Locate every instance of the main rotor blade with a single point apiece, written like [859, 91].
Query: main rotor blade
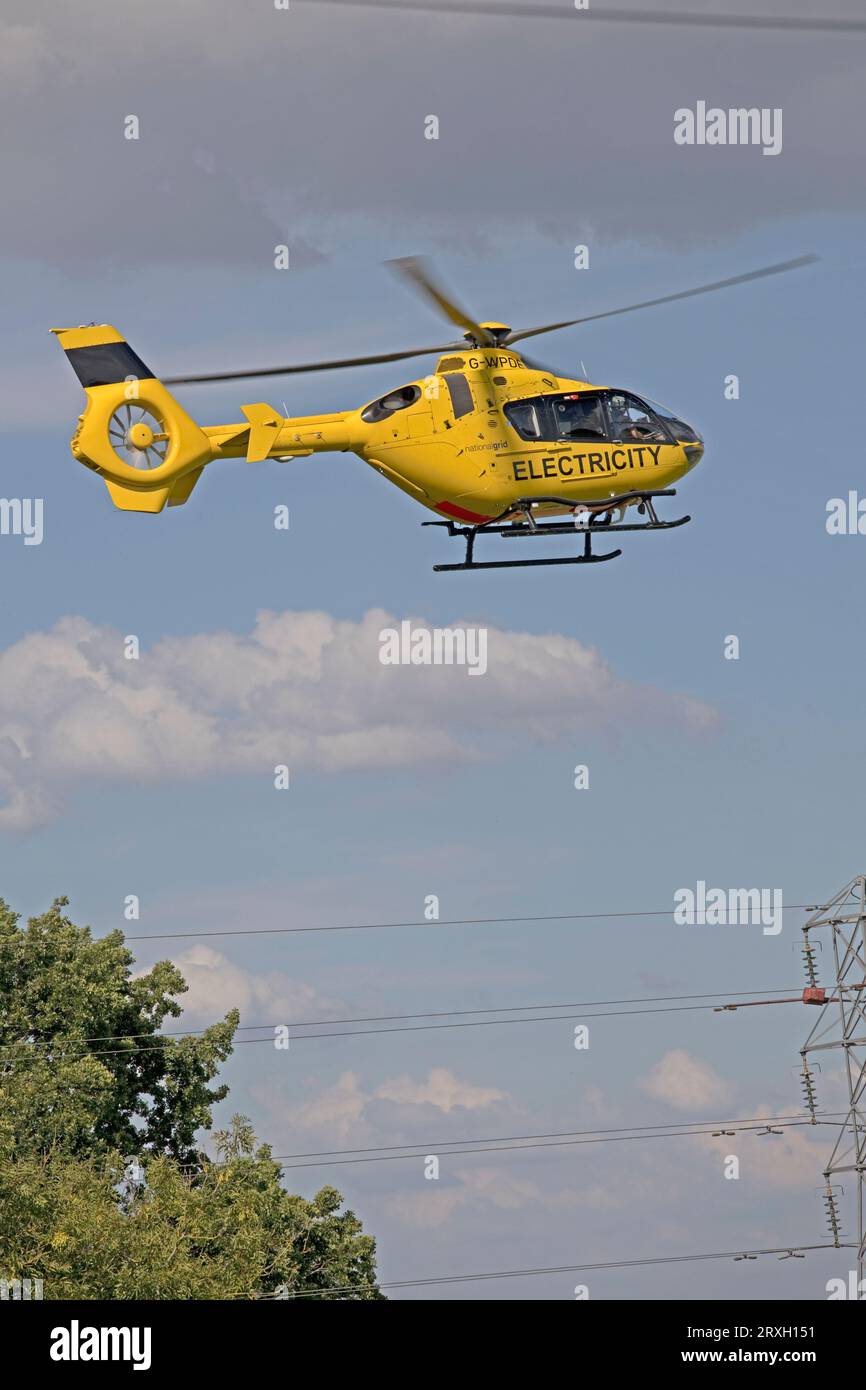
[418, 274]
[503, 9]
[535, 366]
[333, 365]
[412, 269]
[766, 270]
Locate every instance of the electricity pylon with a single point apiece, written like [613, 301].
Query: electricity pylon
[841, 1028]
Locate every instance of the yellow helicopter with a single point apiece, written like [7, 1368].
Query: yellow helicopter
[492, 442]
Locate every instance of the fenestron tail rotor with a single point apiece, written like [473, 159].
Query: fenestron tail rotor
[138, 437]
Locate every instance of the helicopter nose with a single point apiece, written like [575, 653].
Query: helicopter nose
[694, 452]
[692, 443]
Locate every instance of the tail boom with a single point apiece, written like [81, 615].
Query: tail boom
[149, 452]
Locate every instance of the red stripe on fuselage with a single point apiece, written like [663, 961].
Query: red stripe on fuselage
[460, 513]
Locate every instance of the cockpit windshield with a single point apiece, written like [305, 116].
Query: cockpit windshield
[632, 419]
[614, 416]
[687, 434]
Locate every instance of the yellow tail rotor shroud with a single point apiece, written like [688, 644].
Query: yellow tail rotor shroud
[113, 377]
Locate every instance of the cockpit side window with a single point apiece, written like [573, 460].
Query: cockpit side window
[578, 417]
[525, 416]
[386, 405]
[574, 415]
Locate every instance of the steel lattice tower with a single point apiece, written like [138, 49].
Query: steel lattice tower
[841, 1028]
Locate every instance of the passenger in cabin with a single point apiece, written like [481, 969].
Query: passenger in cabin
[579, 418]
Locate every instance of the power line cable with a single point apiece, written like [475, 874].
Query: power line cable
[686, 1126]
[427, 925]
[652, 1133]
[387, 1018]
[783, 1251]
[371, 1032]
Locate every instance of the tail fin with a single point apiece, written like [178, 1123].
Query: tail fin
[133, 433]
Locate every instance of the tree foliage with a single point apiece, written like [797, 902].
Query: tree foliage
[87, 1081]
[84, 1068]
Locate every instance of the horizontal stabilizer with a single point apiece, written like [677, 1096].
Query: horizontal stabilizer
[265, 426]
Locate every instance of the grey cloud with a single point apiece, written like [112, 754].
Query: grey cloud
[259, 124]
[302, 688]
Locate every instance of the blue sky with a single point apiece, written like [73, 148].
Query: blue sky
[741, 773]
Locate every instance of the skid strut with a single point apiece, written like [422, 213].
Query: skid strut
[596, 519]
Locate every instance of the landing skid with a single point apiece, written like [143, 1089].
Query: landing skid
[597, 519]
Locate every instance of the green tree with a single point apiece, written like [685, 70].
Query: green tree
[227, 1230]
[86, 1081]
[83, 1068]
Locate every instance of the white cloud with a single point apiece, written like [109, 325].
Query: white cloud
[791, 1161]
[476, 1187]
[685, 1083]
[441, 1089]
[428, 1209]
[302, 688]
[337, 1109]
[345, 1104]
[217, 984]
[21, 51]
